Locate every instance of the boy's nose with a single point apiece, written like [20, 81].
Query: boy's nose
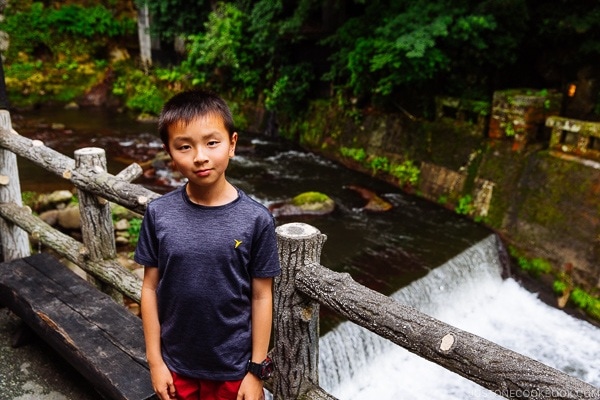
[200, 157]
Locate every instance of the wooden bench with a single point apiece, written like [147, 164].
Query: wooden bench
[98, 337]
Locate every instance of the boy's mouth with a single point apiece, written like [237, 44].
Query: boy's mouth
[202, 172]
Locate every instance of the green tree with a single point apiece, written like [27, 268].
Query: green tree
[172, 18]
[400, 46]
[246, 48]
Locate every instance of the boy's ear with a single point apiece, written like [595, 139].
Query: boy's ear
[232, 143]
[165, 148]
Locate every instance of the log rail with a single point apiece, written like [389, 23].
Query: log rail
[303, 286]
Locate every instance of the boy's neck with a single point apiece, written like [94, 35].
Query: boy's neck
[212, 196]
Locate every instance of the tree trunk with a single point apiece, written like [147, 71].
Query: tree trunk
[145, 40]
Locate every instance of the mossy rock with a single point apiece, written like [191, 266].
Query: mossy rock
[307, 203]
[312, 200]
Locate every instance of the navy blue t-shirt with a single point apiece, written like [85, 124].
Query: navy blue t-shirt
[207, 257]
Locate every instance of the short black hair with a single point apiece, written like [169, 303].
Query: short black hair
[184, 107]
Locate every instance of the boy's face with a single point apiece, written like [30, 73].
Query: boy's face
[201, 150]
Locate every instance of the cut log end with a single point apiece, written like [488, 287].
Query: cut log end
[297, 230]
[447, 343]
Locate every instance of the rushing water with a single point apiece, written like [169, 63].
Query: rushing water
[417, 252]
[467, 292]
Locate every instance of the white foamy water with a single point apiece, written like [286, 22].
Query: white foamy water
[469, 293]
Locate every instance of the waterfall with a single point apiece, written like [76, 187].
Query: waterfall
[468, 292]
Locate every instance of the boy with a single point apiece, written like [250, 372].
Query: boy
[209, 254]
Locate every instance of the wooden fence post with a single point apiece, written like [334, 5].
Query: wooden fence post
[15, 242]
[97, 228]
[296, 317]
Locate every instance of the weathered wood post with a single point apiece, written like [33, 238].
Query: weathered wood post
[96, 220]
[296, 317]
[15, 243]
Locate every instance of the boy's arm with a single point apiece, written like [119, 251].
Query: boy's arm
[262, 319]
[162, 381]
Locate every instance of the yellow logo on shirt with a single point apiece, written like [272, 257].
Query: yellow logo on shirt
[237, 243]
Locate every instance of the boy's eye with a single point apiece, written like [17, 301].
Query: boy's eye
[184, 147]
[213, 143]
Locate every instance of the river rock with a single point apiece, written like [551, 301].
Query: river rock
[45, 201]
[50, 217]
[308, 203]
[374, 202]
[69, 217]
[122, 225]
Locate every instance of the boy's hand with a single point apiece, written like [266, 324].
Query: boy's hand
[162, 382]
[251, 388]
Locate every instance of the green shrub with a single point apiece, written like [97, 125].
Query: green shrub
[141, 92]
[379, 164]
[356, 154]
[407, 172]
[465, 205]
[134, 230]
[559, 286]
[535, 266]
[69, 30]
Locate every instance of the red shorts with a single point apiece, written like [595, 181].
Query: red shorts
[196, 389]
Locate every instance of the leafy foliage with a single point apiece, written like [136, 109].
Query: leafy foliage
[360, 54]
[217, 56]
[133, 231]
[402, 44]
[465, 205]
[140, 92]
[171, 18]
[406, 172]
[357, 154]
[70, 30]
[534, 266]
[58, 52]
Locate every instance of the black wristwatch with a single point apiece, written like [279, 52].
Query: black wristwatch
[263, 371]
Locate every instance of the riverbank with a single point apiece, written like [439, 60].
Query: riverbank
[543, 203]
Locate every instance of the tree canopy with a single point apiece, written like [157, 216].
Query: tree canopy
[378, 53]
[381, 50]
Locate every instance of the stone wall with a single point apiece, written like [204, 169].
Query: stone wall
[544, 205]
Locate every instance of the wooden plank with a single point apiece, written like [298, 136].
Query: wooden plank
[99, 337]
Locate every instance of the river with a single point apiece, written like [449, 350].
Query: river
[392, 252]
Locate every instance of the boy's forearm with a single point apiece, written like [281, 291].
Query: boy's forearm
[151, 327]
[261, 329]
[262, 318]
[150, 321]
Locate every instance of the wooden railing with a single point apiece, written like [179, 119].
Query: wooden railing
[303, 286]
[96, 188]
